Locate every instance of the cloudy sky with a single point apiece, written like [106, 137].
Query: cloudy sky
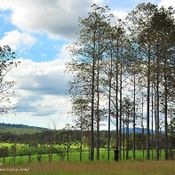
[39, 32]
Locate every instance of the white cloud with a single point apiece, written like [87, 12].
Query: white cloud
[41, 92]
[167, 3]
[57, 18]
[18, 40]
[119, 14]
[41, 77]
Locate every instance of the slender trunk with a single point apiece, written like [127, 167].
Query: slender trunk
[166, 114]
[148, 108]
[155, 116]
[116, 100]
[123, 138]
[81, 144]
[109, 107]
[157, 109]
[67, 153]
[29, 160]
[127, 139]
[89, 133]
[109, 120]
[143, 145]
[171, 144]
[152, 122]
[116, 103]
[92, 103]
[98, 114]
[4, 160]
[134, 117]
[120, 117]
[160, 145]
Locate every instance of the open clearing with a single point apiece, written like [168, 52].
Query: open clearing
[93, 168]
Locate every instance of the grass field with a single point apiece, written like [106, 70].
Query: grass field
[21, 165]
[93, 168]
[73, 157]
[22, 152]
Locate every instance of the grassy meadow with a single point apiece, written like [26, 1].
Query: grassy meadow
[74, 167]
[24, 163]
[73, 156]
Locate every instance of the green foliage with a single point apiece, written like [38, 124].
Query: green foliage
[4, 151]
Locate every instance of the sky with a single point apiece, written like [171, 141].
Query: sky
[39, 31]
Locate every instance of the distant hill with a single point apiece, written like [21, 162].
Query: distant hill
[137, 130]
[25, 129]
[20, 129]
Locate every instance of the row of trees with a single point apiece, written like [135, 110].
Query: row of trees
[38, 152]
[124, 71]
[64, 142]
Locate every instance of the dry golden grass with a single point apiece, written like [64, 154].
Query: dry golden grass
[98, 168]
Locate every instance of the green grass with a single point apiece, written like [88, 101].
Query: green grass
[22, 149]
[94, 168]
[19, 145]
[73, 157]
[75, 167]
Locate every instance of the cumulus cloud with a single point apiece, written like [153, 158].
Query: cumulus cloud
[18, 40]
[167, 3]
[40, 90]
[119, 14]
[42, 77]
[57, 18]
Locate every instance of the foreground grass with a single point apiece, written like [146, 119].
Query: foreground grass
[94, 168]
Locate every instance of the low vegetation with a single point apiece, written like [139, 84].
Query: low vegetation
[95, 168]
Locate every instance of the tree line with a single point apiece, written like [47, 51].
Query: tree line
[123, 77]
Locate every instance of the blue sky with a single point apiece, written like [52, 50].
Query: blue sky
[39, 32]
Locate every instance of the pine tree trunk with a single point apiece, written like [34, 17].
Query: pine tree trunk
[123, 139]
[109, 107]
[134, 116]
[143, 140]
[157, 109]
[127, 139]
[109, 120]
[152, 122]
[116, 99]
[166, 115]
[148, 109]
[98, 114]
[81, 144]
[92, 103]
[116, 103]
[120, 116]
